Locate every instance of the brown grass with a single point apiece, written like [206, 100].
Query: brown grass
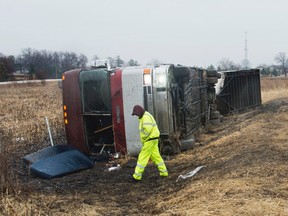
[272, 83]
[246, 169]
[23, 127]
[273, 88]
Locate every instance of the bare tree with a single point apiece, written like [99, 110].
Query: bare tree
[119, 61]
[210, 67]
[226, 64]
[45, 64]
[282, 59]
[133, 62]
[7, 67]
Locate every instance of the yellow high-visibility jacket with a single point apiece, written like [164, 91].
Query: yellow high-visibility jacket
[148, 128]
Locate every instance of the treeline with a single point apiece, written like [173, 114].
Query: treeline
[45, 64]
[40, 64]
[6, 67]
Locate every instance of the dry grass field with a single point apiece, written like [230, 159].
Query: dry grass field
[245, 161]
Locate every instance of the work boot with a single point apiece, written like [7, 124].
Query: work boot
[133, 180]
[164, 174]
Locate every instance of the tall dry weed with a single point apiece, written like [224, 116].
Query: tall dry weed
[24, 130]
[272, 83]
[8, 173]
[273, 88]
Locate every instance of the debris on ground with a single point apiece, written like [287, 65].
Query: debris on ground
[189, 174]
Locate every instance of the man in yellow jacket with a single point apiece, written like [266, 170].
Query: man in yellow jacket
[149, 135]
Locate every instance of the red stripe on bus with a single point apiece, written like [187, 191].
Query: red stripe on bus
[118, 112]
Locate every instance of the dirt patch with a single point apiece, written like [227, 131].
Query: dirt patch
[245, 173]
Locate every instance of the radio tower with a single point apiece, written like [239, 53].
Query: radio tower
[246, 52]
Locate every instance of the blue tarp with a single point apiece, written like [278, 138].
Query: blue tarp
[58, 160]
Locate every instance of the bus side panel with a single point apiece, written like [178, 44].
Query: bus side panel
[118, 112]
[71, 98]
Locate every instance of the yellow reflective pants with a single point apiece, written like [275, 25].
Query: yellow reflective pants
[149, 150]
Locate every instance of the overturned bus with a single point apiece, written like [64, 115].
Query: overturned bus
[98, 103]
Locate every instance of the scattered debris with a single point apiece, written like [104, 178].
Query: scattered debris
[117, 167]
[18, 139]
[189, 174]
[49, 131]
[116, 155]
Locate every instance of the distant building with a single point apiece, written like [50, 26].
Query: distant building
[19, 75]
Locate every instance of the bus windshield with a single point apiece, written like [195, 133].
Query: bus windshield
[95, 91]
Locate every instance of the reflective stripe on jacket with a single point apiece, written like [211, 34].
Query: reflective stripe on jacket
[148, 127]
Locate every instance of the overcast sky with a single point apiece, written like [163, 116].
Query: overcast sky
[188, 32]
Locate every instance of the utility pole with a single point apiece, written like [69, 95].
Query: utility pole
[246, 52]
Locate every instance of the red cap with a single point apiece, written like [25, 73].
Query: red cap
[138, 110]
